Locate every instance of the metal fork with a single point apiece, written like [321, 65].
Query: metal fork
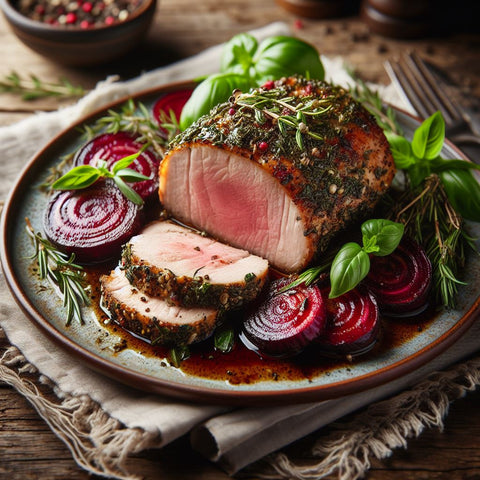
[425, 92]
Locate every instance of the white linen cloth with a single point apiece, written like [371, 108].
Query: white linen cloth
[232, 437]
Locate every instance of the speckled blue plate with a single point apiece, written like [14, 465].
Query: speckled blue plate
[95, 347]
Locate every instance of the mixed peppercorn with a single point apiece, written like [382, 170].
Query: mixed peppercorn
[78, 13]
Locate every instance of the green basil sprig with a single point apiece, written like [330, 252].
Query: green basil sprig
[246, 64]
[352, 263]
[83, 176]
[421, 157]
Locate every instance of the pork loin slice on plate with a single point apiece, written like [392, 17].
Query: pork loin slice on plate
[186, 268]
[278, 183]
[153, 318]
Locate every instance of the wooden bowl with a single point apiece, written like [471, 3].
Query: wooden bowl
[75, 46]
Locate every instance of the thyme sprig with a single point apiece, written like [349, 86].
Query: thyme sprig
[33, 88]
[135, 118]
[61, 271]
[429, 218]
[266, 104]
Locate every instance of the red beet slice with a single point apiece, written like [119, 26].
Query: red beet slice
[111, 147]
[401, 281]
[285, 323]
[92, 223]
[353, 322]
[173, 101]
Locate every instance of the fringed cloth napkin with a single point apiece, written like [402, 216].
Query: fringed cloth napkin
[103, 422]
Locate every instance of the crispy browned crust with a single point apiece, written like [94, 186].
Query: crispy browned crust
[333, 181]
[189, 291]
[154, 329]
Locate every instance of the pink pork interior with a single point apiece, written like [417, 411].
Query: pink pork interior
[235, 200]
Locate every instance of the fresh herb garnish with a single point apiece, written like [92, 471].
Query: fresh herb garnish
[62, 272]
[421, 157]
[351, 263]
[178, 354]
[224, 338]
[33, 88]
[245, 64]
[83, 176]
[135, 118]
[266, 104]
[432, 221]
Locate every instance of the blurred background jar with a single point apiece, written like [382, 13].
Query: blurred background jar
[420, 18]
[321, 8]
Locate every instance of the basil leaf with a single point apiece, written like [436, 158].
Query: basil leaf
[237, 54]
[213, 90]
[401, 150]
[224, 338]
[463, 192]
[77, 178]
[418, 171]
[387, 234]
[349, 268]
[281, 56]
[429, 137]
[439, 164]
[129, 175]
[125, 162]
[127, 191]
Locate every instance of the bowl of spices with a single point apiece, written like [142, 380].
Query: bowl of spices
[79, 32]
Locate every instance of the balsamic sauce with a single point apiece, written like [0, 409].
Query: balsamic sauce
[244, 366]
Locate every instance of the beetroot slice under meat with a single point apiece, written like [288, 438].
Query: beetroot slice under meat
[170, 102]
[401, 281]
[92, 223]
[353, 323]
[285, 323]
[111, 147]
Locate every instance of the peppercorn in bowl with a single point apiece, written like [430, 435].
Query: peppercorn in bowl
[79, 32]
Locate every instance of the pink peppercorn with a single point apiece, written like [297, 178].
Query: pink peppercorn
[263, 146]
[70, 18]
[109, 20]
[84, 24]
[231, 111]
[87, 7]
[268, 85]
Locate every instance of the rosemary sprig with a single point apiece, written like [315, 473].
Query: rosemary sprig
[61, 271]
[136, 119]
[429, 218]
[384, 114]
[297, 121]
[32, 88]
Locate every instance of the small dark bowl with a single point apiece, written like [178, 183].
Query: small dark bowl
[75, 46]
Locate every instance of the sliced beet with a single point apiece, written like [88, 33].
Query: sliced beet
[111, 147]
[285, 322]
[170, 102]
[353, 322]
[92, 223]
[401, 281]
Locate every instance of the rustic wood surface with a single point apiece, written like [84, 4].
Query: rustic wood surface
[28, 449]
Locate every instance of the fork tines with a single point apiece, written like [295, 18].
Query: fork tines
[421, 89]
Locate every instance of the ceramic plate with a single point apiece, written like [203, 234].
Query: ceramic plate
[95, 346]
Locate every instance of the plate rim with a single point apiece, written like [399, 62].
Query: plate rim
[195, 393]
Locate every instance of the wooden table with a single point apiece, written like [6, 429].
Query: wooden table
[181, 28]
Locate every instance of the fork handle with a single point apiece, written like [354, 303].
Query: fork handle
[462, 138]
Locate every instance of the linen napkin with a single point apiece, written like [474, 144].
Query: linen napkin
[102, 421]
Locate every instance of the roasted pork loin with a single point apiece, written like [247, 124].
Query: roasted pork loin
[186, 268]
[261, 176]
[153, 318]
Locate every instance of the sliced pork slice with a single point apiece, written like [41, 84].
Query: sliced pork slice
[279, 191]
[186, 268]
[152, 318]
